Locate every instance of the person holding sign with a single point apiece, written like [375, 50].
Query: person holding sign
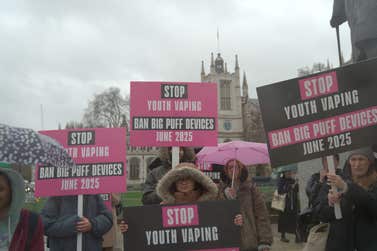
[62, 224]
[20, 229]
[187, 184]
[358, 200]
[150, 196]
[256, 233]
[317, 180]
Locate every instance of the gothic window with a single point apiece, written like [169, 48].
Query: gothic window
[134, 169]
[225, 103]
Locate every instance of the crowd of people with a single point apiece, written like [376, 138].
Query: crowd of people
[355, 191]
[21, 229]
[353, 188]
[186, 184]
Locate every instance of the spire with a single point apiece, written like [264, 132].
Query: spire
[219, 64]
[218, 40]
[237, 66]
[245, 87]
[203, 73]
[212, 63]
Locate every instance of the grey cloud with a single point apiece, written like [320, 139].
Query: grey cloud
[60, 53]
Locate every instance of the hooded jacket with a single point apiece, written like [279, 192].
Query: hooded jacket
[149, 193]
[60, 218]
[15, 228]
[256, 229]
[358, 227]
[165, 188]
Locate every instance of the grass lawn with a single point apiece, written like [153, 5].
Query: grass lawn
[131, 198]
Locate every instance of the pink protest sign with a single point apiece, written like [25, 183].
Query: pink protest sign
[318, 85]
[179, 216]
[173, 114]
[100, 157]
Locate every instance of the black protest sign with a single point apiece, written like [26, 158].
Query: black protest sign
[321, 114]
[201, 226]
[213, 171]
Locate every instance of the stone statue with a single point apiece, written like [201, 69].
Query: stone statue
[362, 20]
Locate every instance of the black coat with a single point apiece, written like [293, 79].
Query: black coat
[317, 191]
[357, 230]
[287, 222]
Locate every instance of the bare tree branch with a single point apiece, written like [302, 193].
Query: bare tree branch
[107, 109]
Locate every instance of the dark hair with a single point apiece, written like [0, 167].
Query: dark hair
[3, 174]
[243, 175]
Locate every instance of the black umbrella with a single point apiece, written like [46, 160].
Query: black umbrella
[26, 146]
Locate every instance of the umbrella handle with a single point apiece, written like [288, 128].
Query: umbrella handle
[234, 168]
[233, 179]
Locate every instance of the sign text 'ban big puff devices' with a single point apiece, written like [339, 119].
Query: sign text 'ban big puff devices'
[100, 157]
[173, 114]
[321, 114]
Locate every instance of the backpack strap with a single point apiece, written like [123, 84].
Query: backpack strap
[32, 226]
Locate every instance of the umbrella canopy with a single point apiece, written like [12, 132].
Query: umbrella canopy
[25, 146]
[249, 153]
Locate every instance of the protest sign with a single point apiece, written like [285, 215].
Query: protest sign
[173, 114]
[321, 114]
[100, 157]
[213, 171]
[183, 227]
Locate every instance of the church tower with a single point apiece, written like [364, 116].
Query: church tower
[229, 100]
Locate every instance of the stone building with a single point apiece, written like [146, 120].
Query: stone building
[138, 159]
[239, 116]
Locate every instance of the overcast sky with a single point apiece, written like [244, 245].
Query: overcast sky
[60, 53]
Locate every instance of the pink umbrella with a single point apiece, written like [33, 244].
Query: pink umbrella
[249, 153]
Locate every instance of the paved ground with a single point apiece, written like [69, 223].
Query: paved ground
[282, 246]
